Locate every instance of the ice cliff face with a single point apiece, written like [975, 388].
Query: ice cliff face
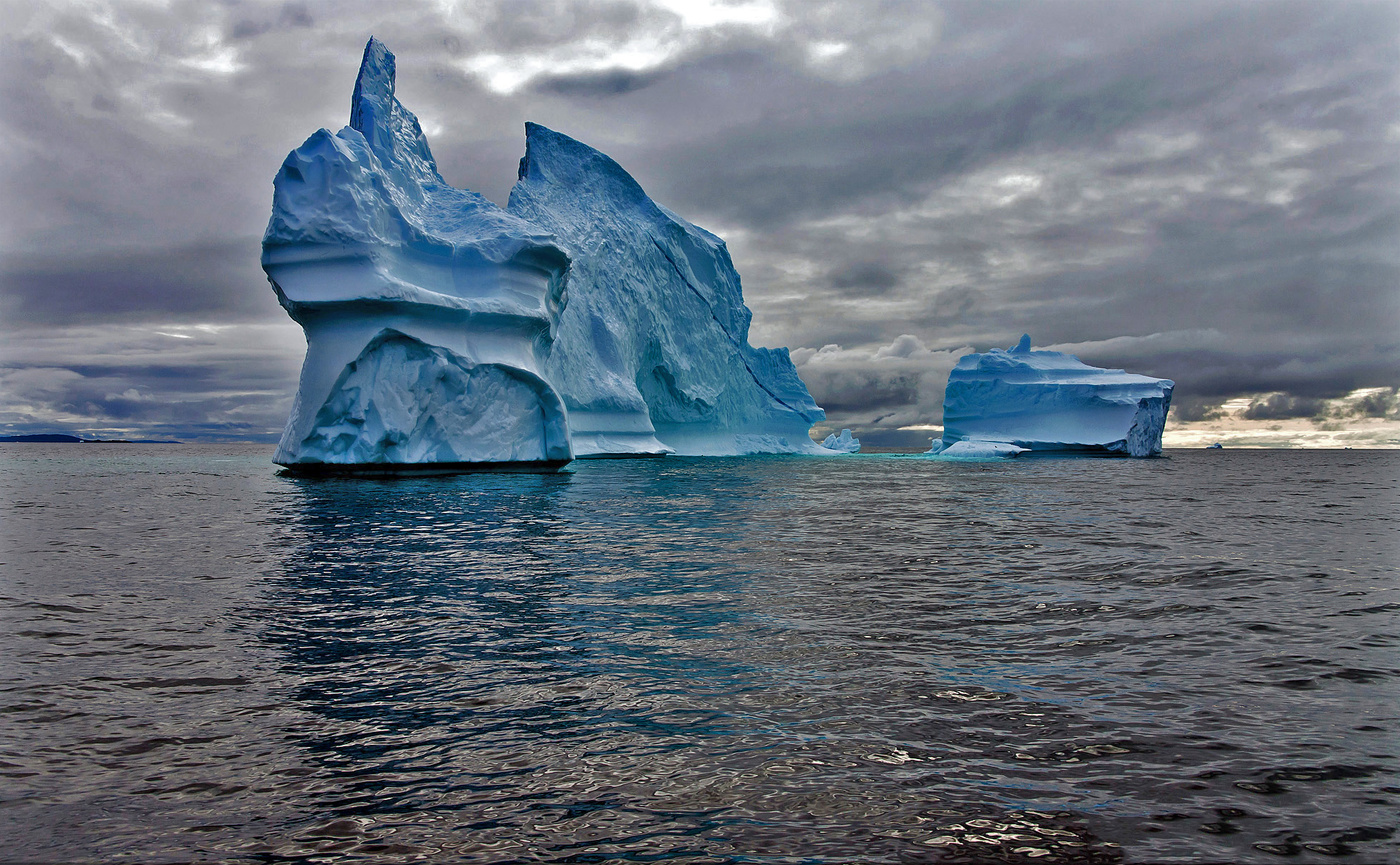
[1049, 401]
[652, 353]
[425, 307]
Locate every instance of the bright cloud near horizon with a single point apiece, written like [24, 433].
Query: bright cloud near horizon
[1203, 191]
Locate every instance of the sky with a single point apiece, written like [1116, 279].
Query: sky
[1201, 191]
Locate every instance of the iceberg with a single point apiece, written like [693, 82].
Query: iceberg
[446, 332]
[1040, 401]
[843, 443]
[651, 352]
[426, 308]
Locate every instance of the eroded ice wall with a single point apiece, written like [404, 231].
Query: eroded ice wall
[652, 351]
[1050, 401]
[425, 307]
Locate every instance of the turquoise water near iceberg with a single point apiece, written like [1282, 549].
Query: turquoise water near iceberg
[768, 659]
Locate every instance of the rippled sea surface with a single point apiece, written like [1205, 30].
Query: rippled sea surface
[873, 658]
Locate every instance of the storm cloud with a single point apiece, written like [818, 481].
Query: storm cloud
[1204, 191]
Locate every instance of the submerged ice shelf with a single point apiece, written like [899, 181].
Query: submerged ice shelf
[444, 330]
[971, 449]
[1004, 403]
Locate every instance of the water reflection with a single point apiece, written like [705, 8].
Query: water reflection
[587, 666]
[720, 660]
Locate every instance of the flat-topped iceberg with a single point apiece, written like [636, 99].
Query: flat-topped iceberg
[844, 443]
[424, 306]
[652, 351]
[1003, 403]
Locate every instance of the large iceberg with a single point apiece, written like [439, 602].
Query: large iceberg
[440, 332]
[652, 351]
[1004, 403]
[425, 307]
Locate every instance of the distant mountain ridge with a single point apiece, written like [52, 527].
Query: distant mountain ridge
[64, 438]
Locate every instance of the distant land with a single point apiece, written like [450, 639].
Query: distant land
[63, 438]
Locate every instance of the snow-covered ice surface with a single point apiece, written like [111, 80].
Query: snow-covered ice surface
[843, 443]
[1049, 401]
[424, 306]
[652, 353]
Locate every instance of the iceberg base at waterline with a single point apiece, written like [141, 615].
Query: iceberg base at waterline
[405, 406]
[1007, 403]
[419, 470]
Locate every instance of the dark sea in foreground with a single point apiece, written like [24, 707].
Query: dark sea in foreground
[874, 659]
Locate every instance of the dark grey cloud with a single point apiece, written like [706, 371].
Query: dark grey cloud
[1279, 405]
[532, 25]
[865, 391]
[1205, 191]
[866, 277]
[259, 20]
[208, 281]
[1191, 409]
[1382, 403]
[613, 82]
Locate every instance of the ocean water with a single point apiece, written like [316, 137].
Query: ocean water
[873, 658]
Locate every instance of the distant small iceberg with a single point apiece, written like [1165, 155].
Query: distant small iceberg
[843, 443]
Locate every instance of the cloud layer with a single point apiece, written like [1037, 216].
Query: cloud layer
[1202, 191]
